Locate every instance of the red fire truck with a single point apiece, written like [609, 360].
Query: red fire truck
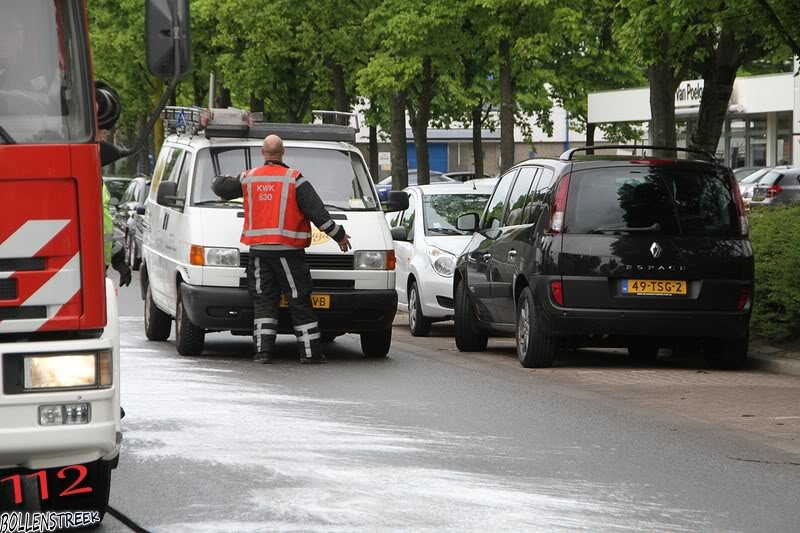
[59, 341]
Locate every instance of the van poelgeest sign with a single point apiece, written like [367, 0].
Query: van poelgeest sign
[689, 93]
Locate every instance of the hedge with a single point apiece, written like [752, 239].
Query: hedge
[775, 233]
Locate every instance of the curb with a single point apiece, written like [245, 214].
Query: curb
[772, 363]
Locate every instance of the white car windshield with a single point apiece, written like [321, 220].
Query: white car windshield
[339, 176]
[442, 210]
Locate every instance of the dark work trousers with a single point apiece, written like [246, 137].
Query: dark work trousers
[268, 275]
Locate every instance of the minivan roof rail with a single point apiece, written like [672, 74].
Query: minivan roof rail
[707, 156]
[240, 123]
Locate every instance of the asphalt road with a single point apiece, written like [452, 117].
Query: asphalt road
[426, 439]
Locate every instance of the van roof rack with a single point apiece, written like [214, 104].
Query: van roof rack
[705, 155]
[236, 123]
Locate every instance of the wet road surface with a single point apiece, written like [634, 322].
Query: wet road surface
[426, 439]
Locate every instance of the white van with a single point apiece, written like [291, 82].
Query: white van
[193, 268]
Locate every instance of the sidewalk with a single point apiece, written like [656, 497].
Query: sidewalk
[785, 360]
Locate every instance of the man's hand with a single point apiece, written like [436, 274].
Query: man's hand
[344, 244]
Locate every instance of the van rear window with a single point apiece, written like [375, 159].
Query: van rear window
[669, 200]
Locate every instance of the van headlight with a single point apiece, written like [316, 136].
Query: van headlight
[444, 263]
[71, 371]
[374, 260]
[222, 257]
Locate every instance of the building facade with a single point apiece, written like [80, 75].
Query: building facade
[761, 126]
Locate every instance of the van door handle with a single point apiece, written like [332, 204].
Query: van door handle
[512, 254]
[486, 257]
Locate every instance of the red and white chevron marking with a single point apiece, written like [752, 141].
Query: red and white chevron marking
[57, 287]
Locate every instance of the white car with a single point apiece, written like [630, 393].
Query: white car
[427, 243]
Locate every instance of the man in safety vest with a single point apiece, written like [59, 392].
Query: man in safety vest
[279, 206]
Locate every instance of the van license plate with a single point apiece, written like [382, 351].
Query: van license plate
[653, 287]
[318, 301]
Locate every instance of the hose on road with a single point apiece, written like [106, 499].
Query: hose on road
[133, 526]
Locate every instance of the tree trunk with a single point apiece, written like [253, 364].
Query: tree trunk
[256, 104]
[661, 76]
[420, 120]
[507, 110]
[590, 129]
[477, 141]
[340, 96]
[397, 112]
[374, 167]
[224, 98]
[719, 73]
[132, 161]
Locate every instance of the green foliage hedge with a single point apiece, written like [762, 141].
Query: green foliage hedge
[775, 233]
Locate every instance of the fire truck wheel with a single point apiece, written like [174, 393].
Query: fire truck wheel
[157, 323]
[189, 339]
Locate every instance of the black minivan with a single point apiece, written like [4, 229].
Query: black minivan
[636, 251]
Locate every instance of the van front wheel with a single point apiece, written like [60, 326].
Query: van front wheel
[157, 323]
[189, 339]
[376, 343]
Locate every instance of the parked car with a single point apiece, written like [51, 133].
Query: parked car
[749, 183]
[641, 253]
[780, 186]
[466, 176]
[129, 219]
[116, 188]
[743, 172]
[385, 185]
[427, 243]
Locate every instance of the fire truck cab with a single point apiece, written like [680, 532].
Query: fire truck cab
[60, 410]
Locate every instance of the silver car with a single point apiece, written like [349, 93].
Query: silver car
[780, 186]
[746, 185]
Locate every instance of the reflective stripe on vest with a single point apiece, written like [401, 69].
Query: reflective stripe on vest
[271, 212]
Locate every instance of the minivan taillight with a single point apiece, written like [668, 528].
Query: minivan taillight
[744, 297]
[741, 210]
[773, 191]
[559, 207]
[557, 291]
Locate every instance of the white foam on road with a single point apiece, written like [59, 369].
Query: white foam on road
[318, 464]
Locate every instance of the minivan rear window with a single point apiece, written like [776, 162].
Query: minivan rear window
[667, 200]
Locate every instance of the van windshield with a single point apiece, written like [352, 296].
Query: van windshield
[339, 176]
[668, 200]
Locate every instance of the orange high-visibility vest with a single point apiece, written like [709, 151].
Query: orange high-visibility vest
[271, 215]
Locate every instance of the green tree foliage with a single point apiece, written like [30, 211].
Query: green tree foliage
[784, 17]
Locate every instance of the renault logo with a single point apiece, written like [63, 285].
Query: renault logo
[655, 249]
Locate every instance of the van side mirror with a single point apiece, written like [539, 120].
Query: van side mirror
[140, 210]
[399, 233]
[163, 49]
[167, 194]
[468, 222]
[397, 201]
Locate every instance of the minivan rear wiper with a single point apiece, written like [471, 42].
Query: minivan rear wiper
[625, 229]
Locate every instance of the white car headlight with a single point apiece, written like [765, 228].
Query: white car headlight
[374, 260]
[80, 370]
[222, 257]
[444, 263]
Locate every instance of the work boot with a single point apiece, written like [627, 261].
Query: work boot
[313, 360]
[263, 357]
